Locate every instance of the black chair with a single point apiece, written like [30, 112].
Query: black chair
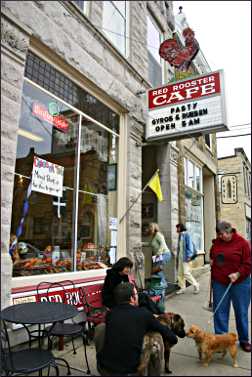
[24, 361]
[65, 329]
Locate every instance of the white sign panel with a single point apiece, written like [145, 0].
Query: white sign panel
[47, 177]
[187, 107]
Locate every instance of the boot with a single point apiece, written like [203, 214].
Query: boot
[156, 269]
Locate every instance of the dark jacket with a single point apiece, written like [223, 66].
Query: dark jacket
[230, 257]
[112, 279]
[126, 326]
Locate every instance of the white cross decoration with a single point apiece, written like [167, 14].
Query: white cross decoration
[59, 204]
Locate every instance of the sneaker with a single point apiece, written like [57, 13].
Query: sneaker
[246, 346]
[180, 291]
[196, 289]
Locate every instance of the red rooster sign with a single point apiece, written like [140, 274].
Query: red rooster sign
[180, 57]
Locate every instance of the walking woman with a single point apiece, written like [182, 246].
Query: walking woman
[161, 255]
[230, 258]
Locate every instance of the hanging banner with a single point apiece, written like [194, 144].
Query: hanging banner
[187, 107]
[47, 177]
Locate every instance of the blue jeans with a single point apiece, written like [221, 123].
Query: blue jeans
[166, 257]
[239, 294]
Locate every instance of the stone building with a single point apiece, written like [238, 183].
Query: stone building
[72, 84]
[74, 97]
[235, 191]
[197, 171]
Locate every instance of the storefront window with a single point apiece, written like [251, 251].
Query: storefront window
[61, 180]
[194, 203]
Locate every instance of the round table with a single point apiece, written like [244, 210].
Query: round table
[38, 312]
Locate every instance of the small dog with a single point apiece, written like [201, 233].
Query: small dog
[208, 344]
[156, 352]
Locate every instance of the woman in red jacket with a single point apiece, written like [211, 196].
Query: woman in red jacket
[230, 258]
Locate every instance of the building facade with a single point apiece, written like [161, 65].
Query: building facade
[72, 131]
[74, 156]
[235, 191]
[197, 171]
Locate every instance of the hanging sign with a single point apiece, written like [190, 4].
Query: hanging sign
[47, 177]
[187, 107]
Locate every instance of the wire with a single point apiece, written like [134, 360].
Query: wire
[240, 125]
[224, 137]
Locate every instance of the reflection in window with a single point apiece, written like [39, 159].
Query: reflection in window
[154, 39]
[194, 221]
[114, 23]
[43, 222]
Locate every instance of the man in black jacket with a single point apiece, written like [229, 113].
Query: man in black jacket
[126, 324]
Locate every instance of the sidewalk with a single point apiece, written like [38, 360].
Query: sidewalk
[184, 358]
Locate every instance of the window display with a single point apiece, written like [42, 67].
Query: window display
[60, 220]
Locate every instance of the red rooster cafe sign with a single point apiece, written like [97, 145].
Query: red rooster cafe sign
[187, 107]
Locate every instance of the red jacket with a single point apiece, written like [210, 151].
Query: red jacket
[230, 257]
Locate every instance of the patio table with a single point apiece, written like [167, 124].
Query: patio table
[38, 313]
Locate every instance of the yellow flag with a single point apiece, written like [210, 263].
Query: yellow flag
[154, 184]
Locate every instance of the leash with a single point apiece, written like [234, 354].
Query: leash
[219, 304]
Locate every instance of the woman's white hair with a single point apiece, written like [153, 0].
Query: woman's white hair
[224, 226]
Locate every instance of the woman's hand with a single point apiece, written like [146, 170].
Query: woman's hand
[234, 276]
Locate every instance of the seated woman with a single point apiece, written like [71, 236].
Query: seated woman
[120, 272]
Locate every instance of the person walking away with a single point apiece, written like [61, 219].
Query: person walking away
[184, 254]
[119, 341]
[230, 259]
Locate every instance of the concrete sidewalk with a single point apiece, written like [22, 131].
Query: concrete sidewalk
[184, 358]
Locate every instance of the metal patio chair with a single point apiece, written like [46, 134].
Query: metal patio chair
[24, 361]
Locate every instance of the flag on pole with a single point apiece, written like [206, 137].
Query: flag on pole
[154, 184]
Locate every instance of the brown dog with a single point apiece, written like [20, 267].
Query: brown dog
[208, 344]
[156, 352]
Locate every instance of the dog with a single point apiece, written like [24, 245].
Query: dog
[156, 352]
[208, 344]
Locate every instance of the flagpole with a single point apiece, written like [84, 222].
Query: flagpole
[138, 196]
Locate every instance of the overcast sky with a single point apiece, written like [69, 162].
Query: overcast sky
[223, 30]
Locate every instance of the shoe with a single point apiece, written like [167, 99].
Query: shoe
[246, 346]
[180, 291]
[196, 289]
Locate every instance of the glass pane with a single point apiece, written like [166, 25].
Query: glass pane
[121, 6]
[198, 178]
[153, 39]
[41, 221]
[190, 174]
[194, 221]
[97, 195]
[60, 85]
[114, 26]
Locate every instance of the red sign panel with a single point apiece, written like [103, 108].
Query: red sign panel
[57, 121]
[192, 89]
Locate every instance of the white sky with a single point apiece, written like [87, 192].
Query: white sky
[223, 30]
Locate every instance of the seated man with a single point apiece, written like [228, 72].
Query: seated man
[119, 341]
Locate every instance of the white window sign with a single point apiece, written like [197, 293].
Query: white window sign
[47, 177]
[187, 107]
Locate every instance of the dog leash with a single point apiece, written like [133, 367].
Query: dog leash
[219, 304]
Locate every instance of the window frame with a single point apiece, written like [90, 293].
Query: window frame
[161, 37]
[194, 190]
[126, 26]
[81, 115]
